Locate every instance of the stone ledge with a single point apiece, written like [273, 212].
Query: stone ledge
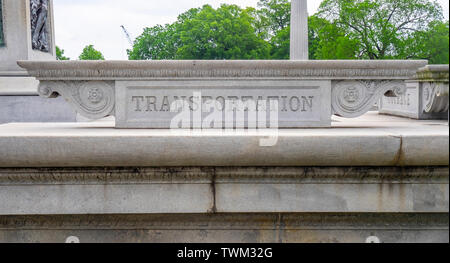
[18, 86]
[312, 69]
[224, 175]
[362, 142]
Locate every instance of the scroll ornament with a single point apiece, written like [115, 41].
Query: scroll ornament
[354, 98]
[91, 99]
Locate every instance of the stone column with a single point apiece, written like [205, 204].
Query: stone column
[299, 30]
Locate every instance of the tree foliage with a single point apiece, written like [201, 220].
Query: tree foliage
[204, 33]
[60, 54]
[90, 53]
[341, 29]
[383, 27]
[431, 44]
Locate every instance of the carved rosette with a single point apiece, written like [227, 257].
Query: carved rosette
[354, 98]
[435, 97]
[91, 99]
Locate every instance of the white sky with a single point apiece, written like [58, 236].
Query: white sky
[82, 22]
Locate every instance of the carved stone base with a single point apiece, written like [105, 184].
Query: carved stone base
[291, 94]
[225, 204]
[426, 96]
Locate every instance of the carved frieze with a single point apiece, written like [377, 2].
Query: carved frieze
[353, 98]
[92, 99]
[39, 25]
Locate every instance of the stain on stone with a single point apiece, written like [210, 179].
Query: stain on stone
[251, 237]
[429, 198]
[213, 209]
[399, 156]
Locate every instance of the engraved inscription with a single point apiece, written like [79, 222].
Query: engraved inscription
[406, 104]
[163, 104]
[404, 100]
[39, 25]
[222, 105]
[2, 40]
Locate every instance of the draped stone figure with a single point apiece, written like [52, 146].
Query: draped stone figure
[39, 27]
[2, 41]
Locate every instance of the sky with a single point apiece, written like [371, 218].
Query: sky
[79, 23]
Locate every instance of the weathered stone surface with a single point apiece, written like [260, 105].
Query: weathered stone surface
[112, 88]
[105, 199]
[11, 85]
[34, 109]
[357, 143]
[337, 197]
[426, 96]
[223, 190]
[19, 101]
[229, 228]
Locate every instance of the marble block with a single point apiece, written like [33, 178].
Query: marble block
[426, 96]
[222, 94]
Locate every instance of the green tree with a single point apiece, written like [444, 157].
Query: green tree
[204, 33]
[342, 29]
[281, 44]
[160, 42]
[328, 41]
[382, 28]
[431, 44]
[274, 16]
[60, 54]
[156, 43]
[90, 53]
[223, 33]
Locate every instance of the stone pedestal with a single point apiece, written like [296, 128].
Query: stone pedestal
[19, 17]
[426, 96]
[373, 177]
[26, 33]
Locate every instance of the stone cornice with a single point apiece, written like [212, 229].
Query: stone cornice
[224, 175]
[433, 73]
[228, 221]
[129, 70]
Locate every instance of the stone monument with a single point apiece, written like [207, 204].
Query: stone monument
[426, 96]
[141, 94]
[373, 179]
[26, 33]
